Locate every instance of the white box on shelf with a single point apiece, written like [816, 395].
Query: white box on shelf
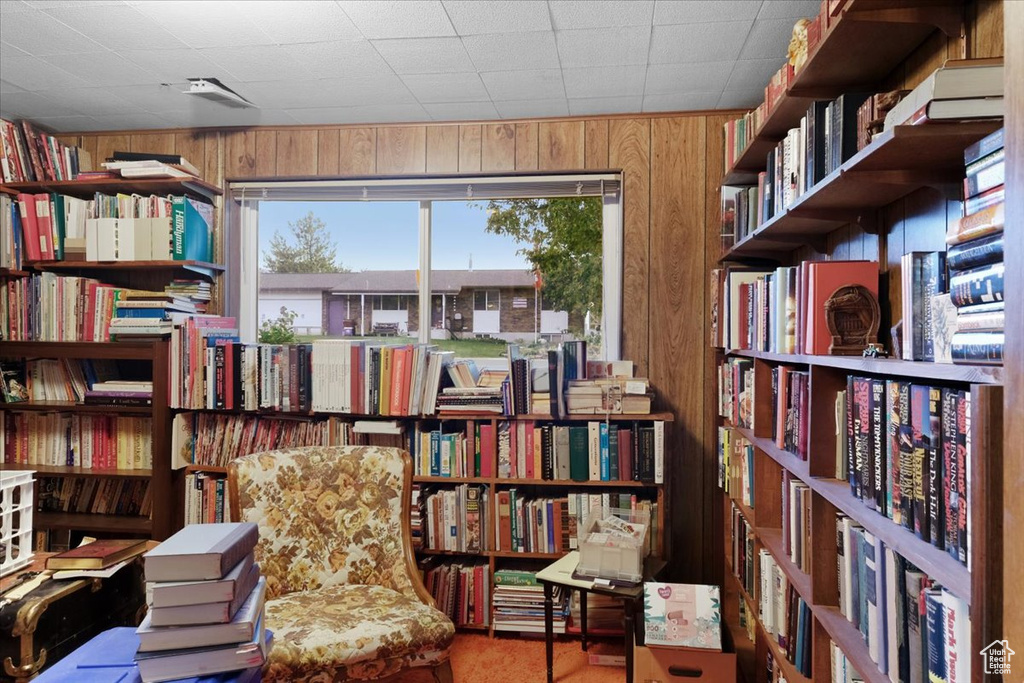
[16, 505]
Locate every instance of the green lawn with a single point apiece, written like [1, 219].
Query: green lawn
[463, 348]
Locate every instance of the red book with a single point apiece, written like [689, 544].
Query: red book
[824, 278]
[528, 450]
[487, 449]
[744, 303]
[406, 380]
[399, 360]
[478, 594]
[504, 521]
[625, 454]
[512, 458]
[30, 227]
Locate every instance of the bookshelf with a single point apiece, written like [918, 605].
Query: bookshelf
[909, 166]
[161, 523]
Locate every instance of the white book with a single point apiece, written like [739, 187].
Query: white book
[178, 593]
[155, 667]
[892, 646]
[201, 552]
[208, 612]
[659, 452]
[594, 450]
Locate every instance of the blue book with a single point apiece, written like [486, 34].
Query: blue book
[191, 230]
[606, 471]
[936, 638]
[140, 312]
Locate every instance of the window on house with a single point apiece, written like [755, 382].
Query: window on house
[486, 300]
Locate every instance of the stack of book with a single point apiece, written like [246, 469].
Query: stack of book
[205, 597]
[150, 165]
[121, 392]
[198, 292]
[469, 390]
[960, 89]
[843, 670]
[29, 155]
[519, 603]
[975, 257]
[97, 555]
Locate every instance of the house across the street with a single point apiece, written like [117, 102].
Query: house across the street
[464, 303]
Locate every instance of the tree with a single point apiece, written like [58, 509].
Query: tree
[309, 249]
[562, 239]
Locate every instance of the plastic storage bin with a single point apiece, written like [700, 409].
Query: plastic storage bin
[614, 548]
[16, 493]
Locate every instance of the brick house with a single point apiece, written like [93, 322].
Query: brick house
[465, 303]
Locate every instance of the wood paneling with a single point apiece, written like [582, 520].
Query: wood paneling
[526, 146]
[596, 143]
[296, 153]
[192, 146]
[1013, 390]
[401, 150]
[498, 147]
[469, 148]
[266, 153]
[357, 151]
[443, 149]
[986, 32]
[560, 145]
[677, 321]
[107, 145]
[630, 150]
[156, 143]
[327, 144]
[214, 161]
[240, 154]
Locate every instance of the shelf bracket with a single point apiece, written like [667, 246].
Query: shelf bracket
[944, 17]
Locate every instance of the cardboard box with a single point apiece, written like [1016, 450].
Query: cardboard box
[678, 665]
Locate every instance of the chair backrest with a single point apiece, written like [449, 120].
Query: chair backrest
[327, 515]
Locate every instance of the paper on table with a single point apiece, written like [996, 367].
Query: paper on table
[91, 573]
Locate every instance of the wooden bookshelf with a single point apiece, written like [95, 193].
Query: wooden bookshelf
[89, 522]
[11, 272]
[72, 407]
[209, 270]
[69, 471]
[85, 189]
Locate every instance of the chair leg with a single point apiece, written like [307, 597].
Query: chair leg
[443, 672]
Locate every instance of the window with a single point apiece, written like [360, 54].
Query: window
[419, 274]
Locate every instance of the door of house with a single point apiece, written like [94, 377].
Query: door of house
[335, 316]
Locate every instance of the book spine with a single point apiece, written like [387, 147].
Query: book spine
[977, 286]
[980, 348]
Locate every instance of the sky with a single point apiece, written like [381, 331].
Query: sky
[385, 235]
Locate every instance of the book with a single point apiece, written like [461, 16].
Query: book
[240, 629]
[956, 79]
[208, 612]
[201, 552]
[247, 655]
[99, 554]
[957, 110]
[177, 593]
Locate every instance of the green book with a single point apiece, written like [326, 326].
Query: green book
[59, 218]
[192, 229]
[579, 454]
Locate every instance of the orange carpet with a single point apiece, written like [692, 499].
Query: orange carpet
[505, 659]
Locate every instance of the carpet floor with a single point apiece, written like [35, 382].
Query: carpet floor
[505, 659]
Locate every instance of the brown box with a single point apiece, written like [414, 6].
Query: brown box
[676, 665]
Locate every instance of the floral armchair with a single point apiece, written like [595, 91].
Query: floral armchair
[344, 598]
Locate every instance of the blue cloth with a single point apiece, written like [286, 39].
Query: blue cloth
[110, 658]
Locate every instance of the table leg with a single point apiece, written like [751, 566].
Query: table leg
[583, 618]
[629, 608]
[549, 628]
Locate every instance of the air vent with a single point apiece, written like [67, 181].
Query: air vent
[215, 91]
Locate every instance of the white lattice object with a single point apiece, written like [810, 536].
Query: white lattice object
[16, 493]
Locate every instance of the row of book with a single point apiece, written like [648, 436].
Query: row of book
[519, 603]
[738, 134]
[64, 380]
[458, 519]
[785, 615]
[50, 307]
[11, 248]
[741, 552]
[915, 629]
[791, 409]
[206, 498]
[843, 670]
[736, 466]
[782, 310]
[796, 521]
[462, 590]
[96, 495]
[907, 455]
[213, 439]
[94, 442]
[736, 391]
[30, 155]
[205, 596]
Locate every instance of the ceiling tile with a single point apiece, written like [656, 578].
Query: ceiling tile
[524, 85]
[607, 81]
[212, 23]
[115, 25]
[664, 79]
[367, 114]
[154, 98]
[604, 46]
[605, 105]
[40, 34]
[8, 50]
[328, 92]
[681, 101]
[752, 74]
[739, 99]
[498, 16]
[61, 124]
[789, 9]
[9, 87]
[20, 6]
[102, 68]
[464, 87]
[29, 105]
[173, 66]
[504, 51]
[55, 4]
[521, 109]
[300, 21]
[768, 38]
[133, 120]
[394, 19]
[576, 14]
[698, 42]
[203, 113]
[424, 55]
[704, 11]
[327, 60]
[32, 73]
[462, 111]
[95, 102]
[263, 63]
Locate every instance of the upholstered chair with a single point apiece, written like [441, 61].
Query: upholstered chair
[344, 598]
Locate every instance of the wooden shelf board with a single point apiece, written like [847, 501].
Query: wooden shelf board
[198, 267]
[526, 556]
[788, 668]
[92, 522]
[444, 417]
[937, 564]
[122, 350]
[69, 471]
[426, 479]
[211, 469]
[437, 551]
[771, 539]
[573, 482]
[11, 272]
[750, 162]
[974, 374]
[848, 638]
[748, 513]
[144, 186]
[72, 407]
[665, 417]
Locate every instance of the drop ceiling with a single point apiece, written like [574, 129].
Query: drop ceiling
[100, 65]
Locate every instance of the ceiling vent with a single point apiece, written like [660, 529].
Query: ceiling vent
[215, 91]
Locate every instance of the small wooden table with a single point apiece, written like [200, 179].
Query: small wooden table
[560, 572]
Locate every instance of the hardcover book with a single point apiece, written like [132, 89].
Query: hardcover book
[97, 555]
[682, 615]
[201, 552]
